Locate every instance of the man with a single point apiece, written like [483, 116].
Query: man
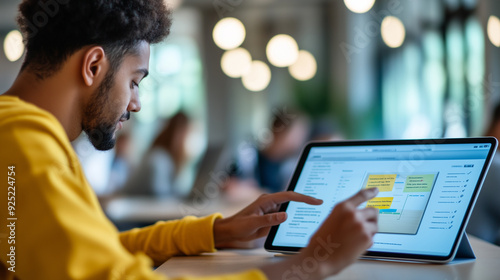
[84, 62]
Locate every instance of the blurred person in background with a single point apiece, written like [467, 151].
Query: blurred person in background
[160, 171]
[121, 165]
[485, 219]
[270, 166]
[326, 129]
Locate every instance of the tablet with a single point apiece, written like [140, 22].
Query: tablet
[427, 190]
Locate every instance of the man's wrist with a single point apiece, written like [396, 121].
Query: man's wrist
[220, 236]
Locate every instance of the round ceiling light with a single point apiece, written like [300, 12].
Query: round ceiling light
[229, 33]
[393, 31]
[13, 45]
[235, 63]
[282, 50]
[258, 78]
[305, 67]
[359, 6]
[493, 30]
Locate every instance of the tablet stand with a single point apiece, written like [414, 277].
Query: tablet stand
[464, 251]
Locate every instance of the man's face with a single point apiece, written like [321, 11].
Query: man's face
[116, 97]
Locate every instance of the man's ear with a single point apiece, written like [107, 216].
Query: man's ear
[94, 60]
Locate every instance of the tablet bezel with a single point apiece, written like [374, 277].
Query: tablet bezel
[385, 255]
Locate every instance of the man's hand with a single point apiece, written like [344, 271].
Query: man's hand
[352, 229]
[340, 240]
[256, 219]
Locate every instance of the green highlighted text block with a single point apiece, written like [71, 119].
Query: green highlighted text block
[419, 183]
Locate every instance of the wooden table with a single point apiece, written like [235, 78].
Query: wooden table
[486, 266]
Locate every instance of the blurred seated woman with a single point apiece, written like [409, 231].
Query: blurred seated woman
[159, 173]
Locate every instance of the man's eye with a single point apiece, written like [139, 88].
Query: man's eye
[134, 84]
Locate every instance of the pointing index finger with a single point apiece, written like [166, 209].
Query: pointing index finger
[362, 196]
[281, 197]
[272, 200]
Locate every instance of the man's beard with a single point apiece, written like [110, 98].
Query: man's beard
[101, 135]
[102, 138]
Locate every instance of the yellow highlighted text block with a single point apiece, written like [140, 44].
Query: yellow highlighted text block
[380, 202]
[384, 182]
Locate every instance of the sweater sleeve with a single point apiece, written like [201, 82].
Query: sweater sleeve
[188, 236]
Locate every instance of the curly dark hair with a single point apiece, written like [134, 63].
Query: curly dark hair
[53, 30]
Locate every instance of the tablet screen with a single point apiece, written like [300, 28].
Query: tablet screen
[425, 194]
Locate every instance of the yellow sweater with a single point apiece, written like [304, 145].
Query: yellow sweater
[56, 229]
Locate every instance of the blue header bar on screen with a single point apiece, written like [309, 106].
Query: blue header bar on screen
[401, 152]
